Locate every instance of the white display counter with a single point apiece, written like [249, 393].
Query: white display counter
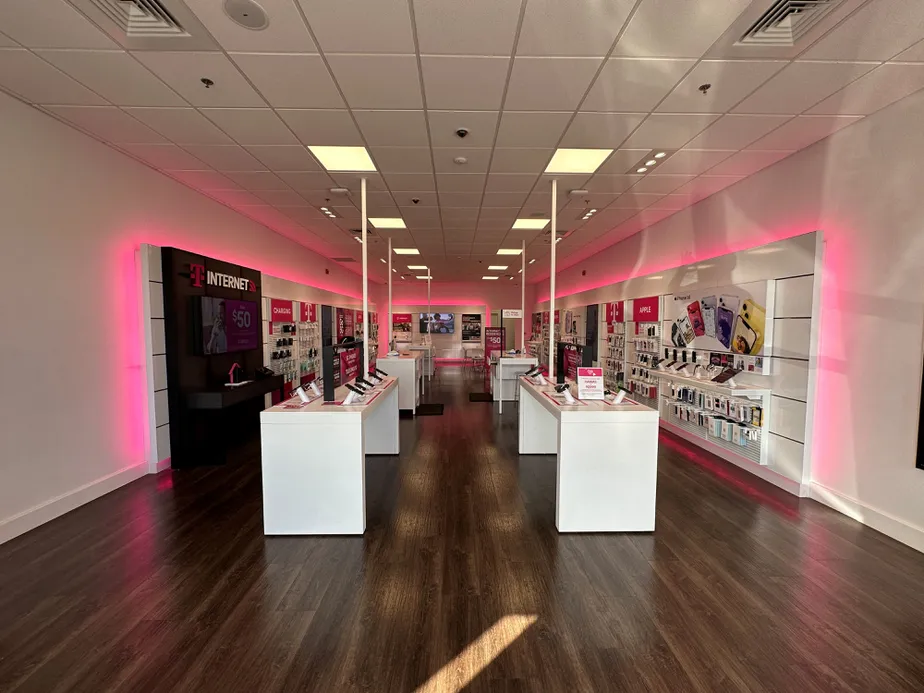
[427, 352]
[607, 459]
[504, 376]
[408, 368]
[314, 461]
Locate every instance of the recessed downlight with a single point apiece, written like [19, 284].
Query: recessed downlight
[641, 170]
[651, 162]
[246, 13]
[532, 261]
[383, 261]
[660, 155]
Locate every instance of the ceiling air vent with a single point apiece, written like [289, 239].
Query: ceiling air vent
[786, 22]
[343, 259]
[141, 18]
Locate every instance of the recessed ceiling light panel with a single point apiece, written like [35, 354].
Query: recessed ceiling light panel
[497, 267]
[387, 222]
[487, 277]
[340, 159]
[406, 251]
[509, 251]
[530, 224]
[417, 267]
[577, 160]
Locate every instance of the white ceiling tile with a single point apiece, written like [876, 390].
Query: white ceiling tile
[460, 182]
[876, 31]
[479, 27]
[503, 199]
[393, 128]
[572, 27]
[511, 182]
[353, 182]
[672, 203]
[464, 83]
[7, 42]
[36, 81]
[49, 24]
[800, 86]
[318, 198]
[290, 80]
[322, 127]
[692, 161]
[251, 125]
[109, 124]
[205, 180]
[285, 157]
[549, 84]
[731, 81]
[875, 90]
[667, 28]
[736, 131]
[402, 159]
[476, 159]
[235, 198]
[611, 183]
[184, 70]
[425, 198]
[452, 215]
[286, 30]
[566, 183]
[704, 186]
[378, 81]
[601, 130]
[506, 214]
[421, 217]
[520, 160]
[114, 75]
[410, 181]
[915, 54]
[622, 160]
[629, 84]
[181, 125]
[449, 199]
[635, 200]
[668, 131]
[497, 225]
[802, 131]
[282, 198]
[164, 156]
[257, 180]
[748, 162]
[654, 183]
[225, 157]
[305, 215]
[531, 128]
[358, 26]
[481, 126]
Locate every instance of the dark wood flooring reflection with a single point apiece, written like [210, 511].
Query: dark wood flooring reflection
[460, 583]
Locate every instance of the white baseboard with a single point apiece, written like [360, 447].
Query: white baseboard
[758, 470]
[49, 510]
[891, 526]
[162, 465]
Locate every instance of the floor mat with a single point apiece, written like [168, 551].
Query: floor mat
[429, 410]
[480, 397]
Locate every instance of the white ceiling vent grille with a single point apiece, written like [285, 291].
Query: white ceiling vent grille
[786, 22]
[343, 259]
[141, 18]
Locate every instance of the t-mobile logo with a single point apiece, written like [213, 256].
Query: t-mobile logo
[197, 274]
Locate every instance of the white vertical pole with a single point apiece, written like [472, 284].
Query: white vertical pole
[391, 337]
[552, 282]
[365, 288]
[429, 330]
[523, 299]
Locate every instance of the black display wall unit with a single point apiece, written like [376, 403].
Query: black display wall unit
[591, 325]
[327, 325]
[206, 418]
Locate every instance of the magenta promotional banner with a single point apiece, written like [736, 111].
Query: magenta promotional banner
[493, 341]
[646, 309]
[572, 361]
[349, 365]
[281, 311]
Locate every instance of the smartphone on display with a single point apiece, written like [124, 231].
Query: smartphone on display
[686, 328]
[729, 302]
[707, 306]
[677, 335]
[745, 337]
[724, 323]
[725, 375]
[755, 317]
[696, 319]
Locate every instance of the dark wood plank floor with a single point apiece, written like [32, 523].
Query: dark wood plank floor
[169, 584]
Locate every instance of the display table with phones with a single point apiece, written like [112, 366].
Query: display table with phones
[607, 458]
[505, 372]
[408, 368]
[314, 460]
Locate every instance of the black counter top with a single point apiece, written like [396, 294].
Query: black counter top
[229, 396]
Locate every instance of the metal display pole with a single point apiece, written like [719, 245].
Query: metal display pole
[523, 299]
[391, 337]
[365, 286]
[552, 282]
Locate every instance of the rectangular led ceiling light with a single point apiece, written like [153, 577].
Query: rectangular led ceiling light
[497, 267]
[406, 251]
[577, 160]
[532, 224]
[424, 277]
[387, 222]
[489, 277]
[343, 158]
[417, 267]
[509, 251]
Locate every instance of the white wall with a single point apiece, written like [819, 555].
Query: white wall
[863, 187]
[72, 214]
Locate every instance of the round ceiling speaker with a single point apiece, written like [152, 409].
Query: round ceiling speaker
[247, 13]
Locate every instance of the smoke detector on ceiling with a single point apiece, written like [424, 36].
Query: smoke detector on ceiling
[247, 13]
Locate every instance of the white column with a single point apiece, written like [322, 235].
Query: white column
[523, 299]
[429, 313]
[391, 326]
[365, 287]
[552, 282]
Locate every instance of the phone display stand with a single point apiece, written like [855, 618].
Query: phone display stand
[302, 395]
[349, 399]
[314, 388]
[619, 397]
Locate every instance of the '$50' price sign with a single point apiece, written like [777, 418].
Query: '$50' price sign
[241, 318]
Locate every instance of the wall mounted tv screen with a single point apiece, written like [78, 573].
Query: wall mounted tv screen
[225, 325]
[443, 323]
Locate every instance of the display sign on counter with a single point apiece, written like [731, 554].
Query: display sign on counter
[349, 365]
[512, 313]
[572, 360]
[590, 383]
[493, 341]
[344, 324]
[646, 309]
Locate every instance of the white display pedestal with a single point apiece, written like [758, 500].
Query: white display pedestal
[408, 368]
[505, 375]
[607, 459]
[314, 461]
